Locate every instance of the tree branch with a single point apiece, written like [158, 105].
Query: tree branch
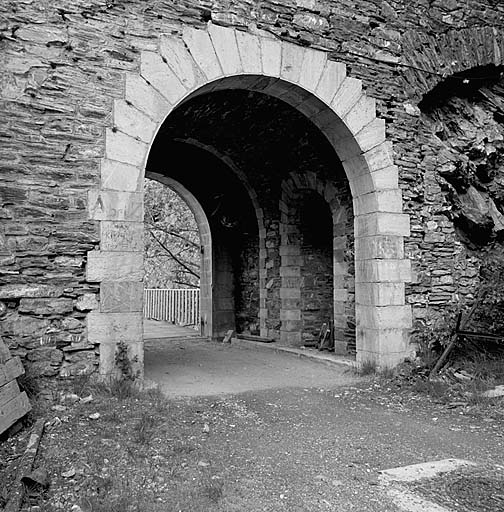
[181, 263]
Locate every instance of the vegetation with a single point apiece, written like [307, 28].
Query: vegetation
[172, 244]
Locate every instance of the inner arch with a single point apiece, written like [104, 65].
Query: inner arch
[267, 140]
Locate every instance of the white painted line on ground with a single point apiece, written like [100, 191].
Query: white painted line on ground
[424, 470]
[409, 502]
[391, 480]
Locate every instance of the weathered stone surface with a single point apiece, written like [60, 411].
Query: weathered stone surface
[114, 327]
[87, 302]
[46, 306]
[16, 291]
[121, 297]
[58, 110]
[122, 236]
[112, 205]
[114, 266]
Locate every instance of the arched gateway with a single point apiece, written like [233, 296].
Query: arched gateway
[202, 62]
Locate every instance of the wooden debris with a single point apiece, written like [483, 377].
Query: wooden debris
[252, 337]
[228, 336]
[14, 404]
[25, 467]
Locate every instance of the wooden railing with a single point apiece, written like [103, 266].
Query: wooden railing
[179, 306]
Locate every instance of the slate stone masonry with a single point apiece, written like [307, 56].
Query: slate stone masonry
[63, 65]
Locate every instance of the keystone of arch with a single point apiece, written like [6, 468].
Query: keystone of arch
[203, 61]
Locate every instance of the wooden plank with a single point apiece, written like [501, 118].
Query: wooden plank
[13, 410]
[8, 392]
[24, 467]
[10, 370]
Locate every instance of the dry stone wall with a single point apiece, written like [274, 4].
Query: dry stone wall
[62, 66]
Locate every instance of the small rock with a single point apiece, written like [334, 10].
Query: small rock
[68, 474]
[203, 464]
[94, 416]
[58, 408]
[70, 398]
[206, 428]
[494, 393]
[86, 399]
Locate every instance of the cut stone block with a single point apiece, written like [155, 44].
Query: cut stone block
[371, 135]
[361, 114]
[114, 327]
[144, 97]
[347, 96]
[180, 61]
[379, 294]
[161, 77]
[133, 122]
[375, 271]
[115, 205]
[385, 341]
[384, 179]
[382, 223]
[379, 247]
[202, 50]
[108, 366]
[121, 236]
[226, 48]
[121, 297]
[271, 56]
[120, 176]
[314, 62]
[292, 61]
[114, 266]
[332, 77]
[384, 317]
[250, 52]
[123, 148]
[379, 201]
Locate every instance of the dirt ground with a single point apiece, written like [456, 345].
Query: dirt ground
[196, 367]
[315, 443]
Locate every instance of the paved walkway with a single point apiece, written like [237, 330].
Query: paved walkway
[155, 329]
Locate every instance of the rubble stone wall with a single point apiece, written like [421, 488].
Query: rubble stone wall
[62, 66]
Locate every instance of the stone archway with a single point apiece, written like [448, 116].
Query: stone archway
[205, 236]
[293, 266]
[221, 58]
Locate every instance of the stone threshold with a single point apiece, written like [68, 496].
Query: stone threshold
[326, 358]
